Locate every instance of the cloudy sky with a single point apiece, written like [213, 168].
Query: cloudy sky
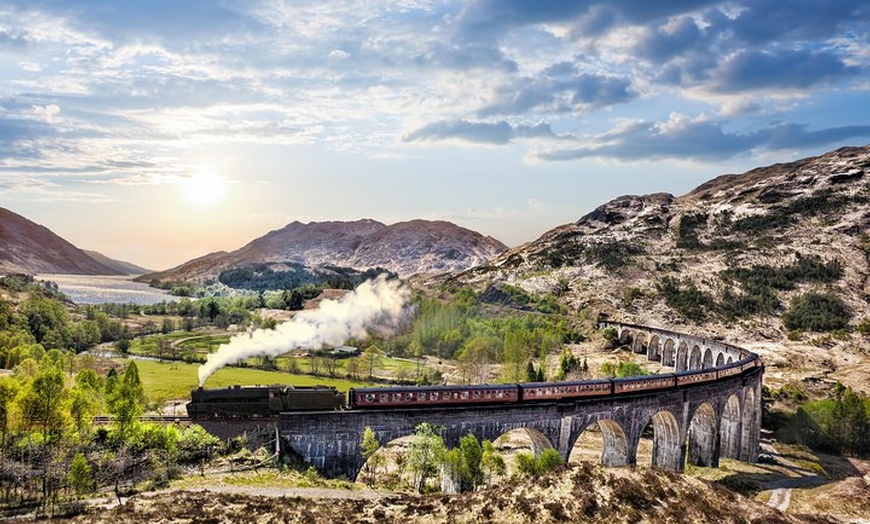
[159, 130]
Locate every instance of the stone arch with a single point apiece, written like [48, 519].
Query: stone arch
[613, 442]
[703, 437]
[707, 361]
[720, 360]
[669, 353]
[730, 360]
[695, 357]
[667, 452]
[654, 351]
[729, 429]
[749, 419]
[640, 343]
[386, 455]
[625, 336]
[682, 357]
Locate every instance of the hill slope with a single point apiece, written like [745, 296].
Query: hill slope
[407, 248]
[727, 258]
[27, 247]
[125, 268]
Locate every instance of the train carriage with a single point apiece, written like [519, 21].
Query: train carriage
[534, 391]
[432, 396]
[642, 383]
[684, 378]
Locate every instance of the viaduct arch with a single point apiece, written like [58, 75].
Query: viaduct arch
[696, 423]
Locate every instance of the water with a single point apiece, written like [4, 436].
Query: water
[90, 289]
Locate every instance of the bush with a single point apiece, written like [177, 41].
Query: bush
[816, 312]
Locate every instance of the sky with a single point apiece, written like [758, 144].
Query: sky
[156, 131]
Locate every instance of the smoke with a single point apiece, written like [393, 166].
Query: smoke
[375, 306]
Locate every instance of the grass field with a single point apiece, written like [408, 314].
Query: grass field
[174, 380]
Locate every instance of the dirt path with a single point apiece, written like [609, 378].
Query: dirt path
[780, 496]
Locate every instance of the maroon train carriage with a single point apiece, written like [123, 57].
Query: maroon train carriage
[730, 370]
[532, 391]
[362, 398]
[643, 383]
[685, 378]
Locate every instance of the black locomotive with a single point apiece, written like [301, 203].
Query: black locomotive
[261, 401]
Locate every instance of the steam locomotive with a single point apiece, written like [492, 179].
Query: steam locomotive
[269, 401]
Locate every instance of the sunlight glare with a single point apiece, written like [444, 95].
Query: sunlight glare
[204, 188]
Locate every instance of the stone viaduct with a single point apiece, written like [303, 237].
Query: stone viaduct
[695, 423]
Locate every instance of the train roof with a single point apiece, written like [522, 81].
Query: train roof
[404, 389]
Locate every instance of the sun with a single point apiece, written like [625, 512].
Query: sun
[204, 188]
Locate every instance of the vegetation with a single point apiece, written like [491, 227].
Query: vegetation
[839, 424]
[298, 279]
[623, 369]
[684, 297]
[51, 449]
[816, 312]
[822, 202]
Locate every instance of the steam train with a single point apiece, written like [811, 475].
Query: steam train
[269, 401]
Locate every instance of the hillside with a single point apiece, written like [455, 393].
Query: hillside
[728, 258]
[125, 268]
[585, 493]
[27, 247]
[407, 248]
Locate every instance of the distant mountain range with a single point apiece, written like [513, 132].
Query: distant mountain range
[406, 248]
[27, 247]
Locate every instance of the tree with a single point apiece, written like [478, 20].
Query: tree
[127, 400]
[492, 464]
[8, 391]
[43, 400]
[426, 454]
[373, 460]
[470, 472]
[80, 476]
[371, 359]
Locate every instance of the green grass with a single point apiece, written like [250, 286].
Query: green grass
[165, 380]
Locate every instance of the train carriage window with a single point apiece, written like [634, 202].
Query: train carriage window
[475, 394]
[463, 395]
[500, 394]
[385, 397]
[370, 397]
[397, 397]
[409, 397]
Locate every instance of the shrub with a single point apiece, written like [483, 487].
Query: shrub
[816, 312]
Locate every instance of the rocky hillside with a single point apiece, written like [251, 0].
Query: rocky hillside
[407, 248]
[27, 247]
[728, 257]
[584, 493]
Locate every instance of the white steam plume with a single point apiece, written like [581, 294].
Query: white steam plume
[374, 306]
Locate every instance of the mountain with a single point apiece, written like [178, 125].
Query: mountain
[125, 268]
[407, 248]
[27, 247]
[728, 257]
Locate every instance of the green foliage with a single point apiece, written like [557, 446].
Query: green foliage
[816, 312]
[685, 298]
[687, 234]
[426, 454]
[839, 424]
[308, 282]
[611, 336]
[549, 460]
[42, 401]
[373, 461]
[127, 400]
[80, 476]
[864, 326]
[613, 256]
[492, 464]
[196, 445]
[822, 202]
[623, 369]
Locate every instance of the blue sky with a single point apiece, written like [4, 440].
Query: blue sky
[156, 131]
